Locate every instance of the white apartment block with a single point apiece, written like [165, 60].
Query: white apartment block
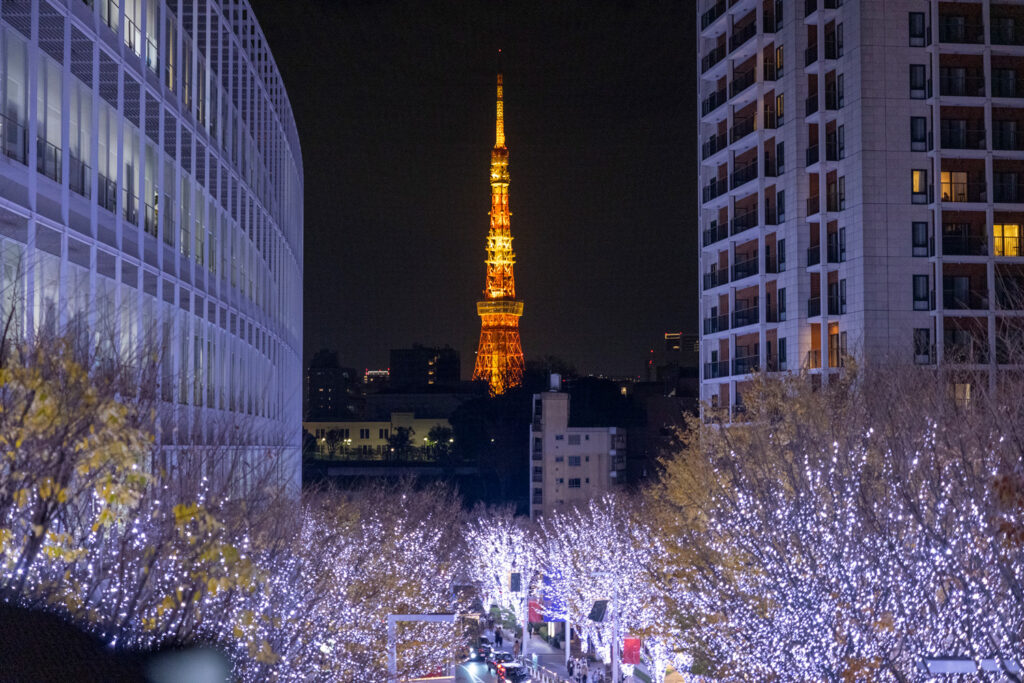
[371, 439]
[151, 196]
[570, 465]
[861, 168]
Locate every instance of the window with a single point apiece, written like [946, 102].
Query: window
[780, 158]
[841, 196]
[382, 433]
[1007, 239]
[1004, 83]
[919, 186]
[841, 142]
[782, 353]
[778, 61]
[842, 245]
[559, 437]
[779, 109]
[962, 393]
[918, 82]
[782, 254]
[574, 483]
[1006, 186]
[917, 30]
[919, 238]
[921, 293]
[922, 346]
[842, 296]
[364, 434]
[782, 304]
[559, 458]
[574, 439]
[780, 200]
[840, 92]
[954, 186]
[918, 134]
[574, 461]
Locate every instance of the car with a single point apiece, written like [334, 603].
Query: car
[483, 649]
[513, 672]
[496, 659]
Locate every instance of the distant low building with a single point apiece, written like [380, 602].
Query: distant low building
[362, 439]
[423, 367]
[570, 465]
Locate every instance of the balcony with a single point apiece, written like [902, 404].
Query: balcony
[1008, 85]
[714, 234]
[832, 101]
[836, 305]
[771, 121]
[832, 47]
[813, 361]
[107, 193]
[957, 30]
[771, 169]
[970, 191]
[744, 174]
[813, 255]
[973, 300]
[13, 139]
[771, 72]
[713, 145]
[958, 137]
[714, 57]
[1007, 140]
[836, 201]
[745, 316]
[716, 369]
[716, 323]
[743, 221]
[1008, 192]
[716, 188]
[813, 205]
[708, 18]
[964, 245]
[151, 220]
[741, 82]
[742, 129]
[80, 176]
[48, 159]
[131, 208]
[745, 365]
[812, 155]
[740, 36]
[832, 149]
[713, 101]
[1006, 33]
[962, 86]
[810, 55]
[814, 307]
[716, 278]
[811, 105]
[745, 268]
[834, 251]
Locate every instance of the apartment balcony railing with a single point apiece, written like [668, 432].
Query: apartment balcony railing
[716, 369]
[745, 268]
[814, 307]
[967, 86]
[714, 144]
[744, 174]
[743, 221]
[812, 155]
[773, 364]
[963, 138]
[811, 105]
[713, 57]
[832, 101]
[773, 217]
[714, 234]
[742, 128]
[970, 191]
[813, 205]
[771, 72]
[716, 323]
[773, 22]
[48, 159]
[716, 10]
[836, 306]
[13, 139]
[959, 31]
[771, 168]
[80, 176]
[1007, 87]
[1007, 140]
[131, 208]
[771, 121]
[813, 255]
[745, 316]
[716, 188]
[813, 361]
[741, 36]
[772, 265]
[745, 365]
[966, 352]
[151, 220]
[716, 278]
[810, 55]
[774, 315]
[1006, 33]
[972, 300]
[741, 82]
[713, 101]
[106, 193]
[831, 48]
[1010, 293]
[834, 251]
[1008, 193]
[836, 201]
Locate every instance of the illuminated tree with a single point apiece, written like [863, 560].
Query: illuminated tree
[499, 544]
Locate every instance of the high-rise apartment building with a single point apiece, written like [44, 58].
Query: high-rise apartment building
[421, 368]
[151, 198]
[861, 168]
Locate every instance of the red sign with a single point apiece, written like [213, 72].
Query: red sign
[631, 651]
[535, 614]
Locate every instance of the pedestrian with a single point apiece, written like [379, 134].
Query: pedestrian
[515, 648]
[586, 672]
[497, 636]
[570, 666]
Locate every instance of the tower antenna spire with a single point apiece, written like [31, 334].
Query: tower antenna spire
[499, 130]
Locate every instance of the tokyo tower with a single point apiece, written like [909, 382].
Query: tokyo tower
[499, 358]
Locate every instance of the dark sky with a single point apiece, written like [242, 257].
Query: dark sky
[395, 107]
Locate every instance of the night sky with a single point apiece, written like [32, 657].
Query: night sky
[395, 108]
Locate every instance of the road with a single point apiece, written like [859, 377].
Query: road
[474, 672]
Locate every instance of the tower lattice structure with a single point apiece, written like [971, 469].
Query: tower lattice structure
[499, 358]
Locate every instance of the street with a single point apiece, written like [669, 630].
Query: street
[474, 672]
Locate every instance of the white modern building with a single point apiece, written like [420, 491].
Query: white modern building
[570, 465]
[151, 195]
[861, 168]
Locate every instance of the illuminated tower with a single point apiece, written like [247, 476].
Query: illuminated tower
[499, 358]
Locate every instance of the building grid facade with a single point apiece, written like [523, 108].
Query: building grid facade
[861, 168]
[151, 197]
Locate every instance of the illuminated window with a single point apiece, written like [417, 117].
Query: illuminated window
[954, 186]
[919, 186]
[1007, 239]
